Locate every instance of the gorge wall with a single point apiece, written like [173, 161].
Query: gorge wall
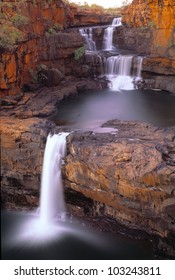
[149, 29]
[40, 39]
[43, 39]
[129, 176]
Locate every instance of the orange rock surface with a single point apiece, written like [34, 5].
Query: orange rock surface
[160, 17]
[16, 65]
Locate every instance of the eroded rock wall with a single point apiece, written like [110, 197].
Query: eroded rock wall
[149, 29]
[22, 147]
[44, 43]
[159, 17]
[131, 174]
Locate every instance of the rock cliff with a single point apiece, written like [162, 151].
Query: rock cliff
[149, 29]
[130, 175]
[40, 33]
[40, 37]
[40, 40]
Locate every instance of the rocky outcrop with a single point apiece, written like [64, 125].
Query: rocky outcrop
[43, 44]
[158, 16]
[24, 128]
[82, 17]
[149, 30]
[22, 146]
[130, 175]
[44, 40]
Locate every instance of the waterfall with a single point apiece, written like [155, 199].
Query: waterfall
[51, 199]
[123, 71]
[119, 71]
[108, 34]
[87, 34]
[139, 60]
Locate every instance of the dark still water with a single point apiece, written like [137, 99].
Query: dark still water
[23, 238]
[91, 109]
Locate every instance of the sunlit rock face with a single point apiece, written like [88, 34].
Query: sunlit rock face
[44, 43]
[149, 29]
[159, 17]
[131, 174]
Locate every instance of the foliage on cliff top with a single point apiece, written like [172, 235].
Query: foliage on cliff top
[11, 21]
[93, 8]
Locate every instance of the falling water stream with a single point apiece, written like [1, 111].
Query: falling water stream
[108, 34]
[118, 69]
[52, 201]
[49, 234]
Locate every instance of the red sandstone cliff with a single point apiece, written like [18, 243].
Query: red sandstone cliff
[149, 28]
[159, 16]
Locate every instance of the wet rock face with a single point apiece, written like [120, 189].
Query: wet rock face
[22, 147]
[131, 174]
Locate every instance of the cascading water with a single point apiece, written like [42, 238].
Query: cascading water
[139, 60]
[118, 69]
[118, 72]
[51, 201]
[108, 34]
[87, 34]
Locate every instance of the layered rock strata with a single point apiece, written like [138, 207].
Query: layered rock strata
[130, 175]
[149, 30]
[24, 128]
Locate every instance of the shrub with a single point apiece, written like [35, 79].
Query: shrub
[42, 74]
[19, 20]
[79, 52]
[51, 31]
[9, 37]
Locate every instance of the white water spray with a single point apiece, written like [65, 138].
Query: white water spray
[108, 34]
[119, 71]
[51, 200]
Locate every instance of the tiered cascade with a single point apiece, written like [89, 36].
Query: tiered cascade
[120, 70]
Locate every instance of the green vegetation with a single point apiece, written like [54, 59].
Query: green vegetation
[151, 23]
[93, 8]
[11, 21]
[51, 31]
[19, 20]
[9, 37]
[40, 75]
[54, 29]
[78, 53]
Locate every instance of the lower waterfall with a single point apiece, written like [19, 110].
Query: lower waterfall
[51, 200]
[119, 71]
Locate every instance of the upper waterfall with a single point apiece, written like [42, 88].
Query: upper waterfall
[120, 70]
[108, 34]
